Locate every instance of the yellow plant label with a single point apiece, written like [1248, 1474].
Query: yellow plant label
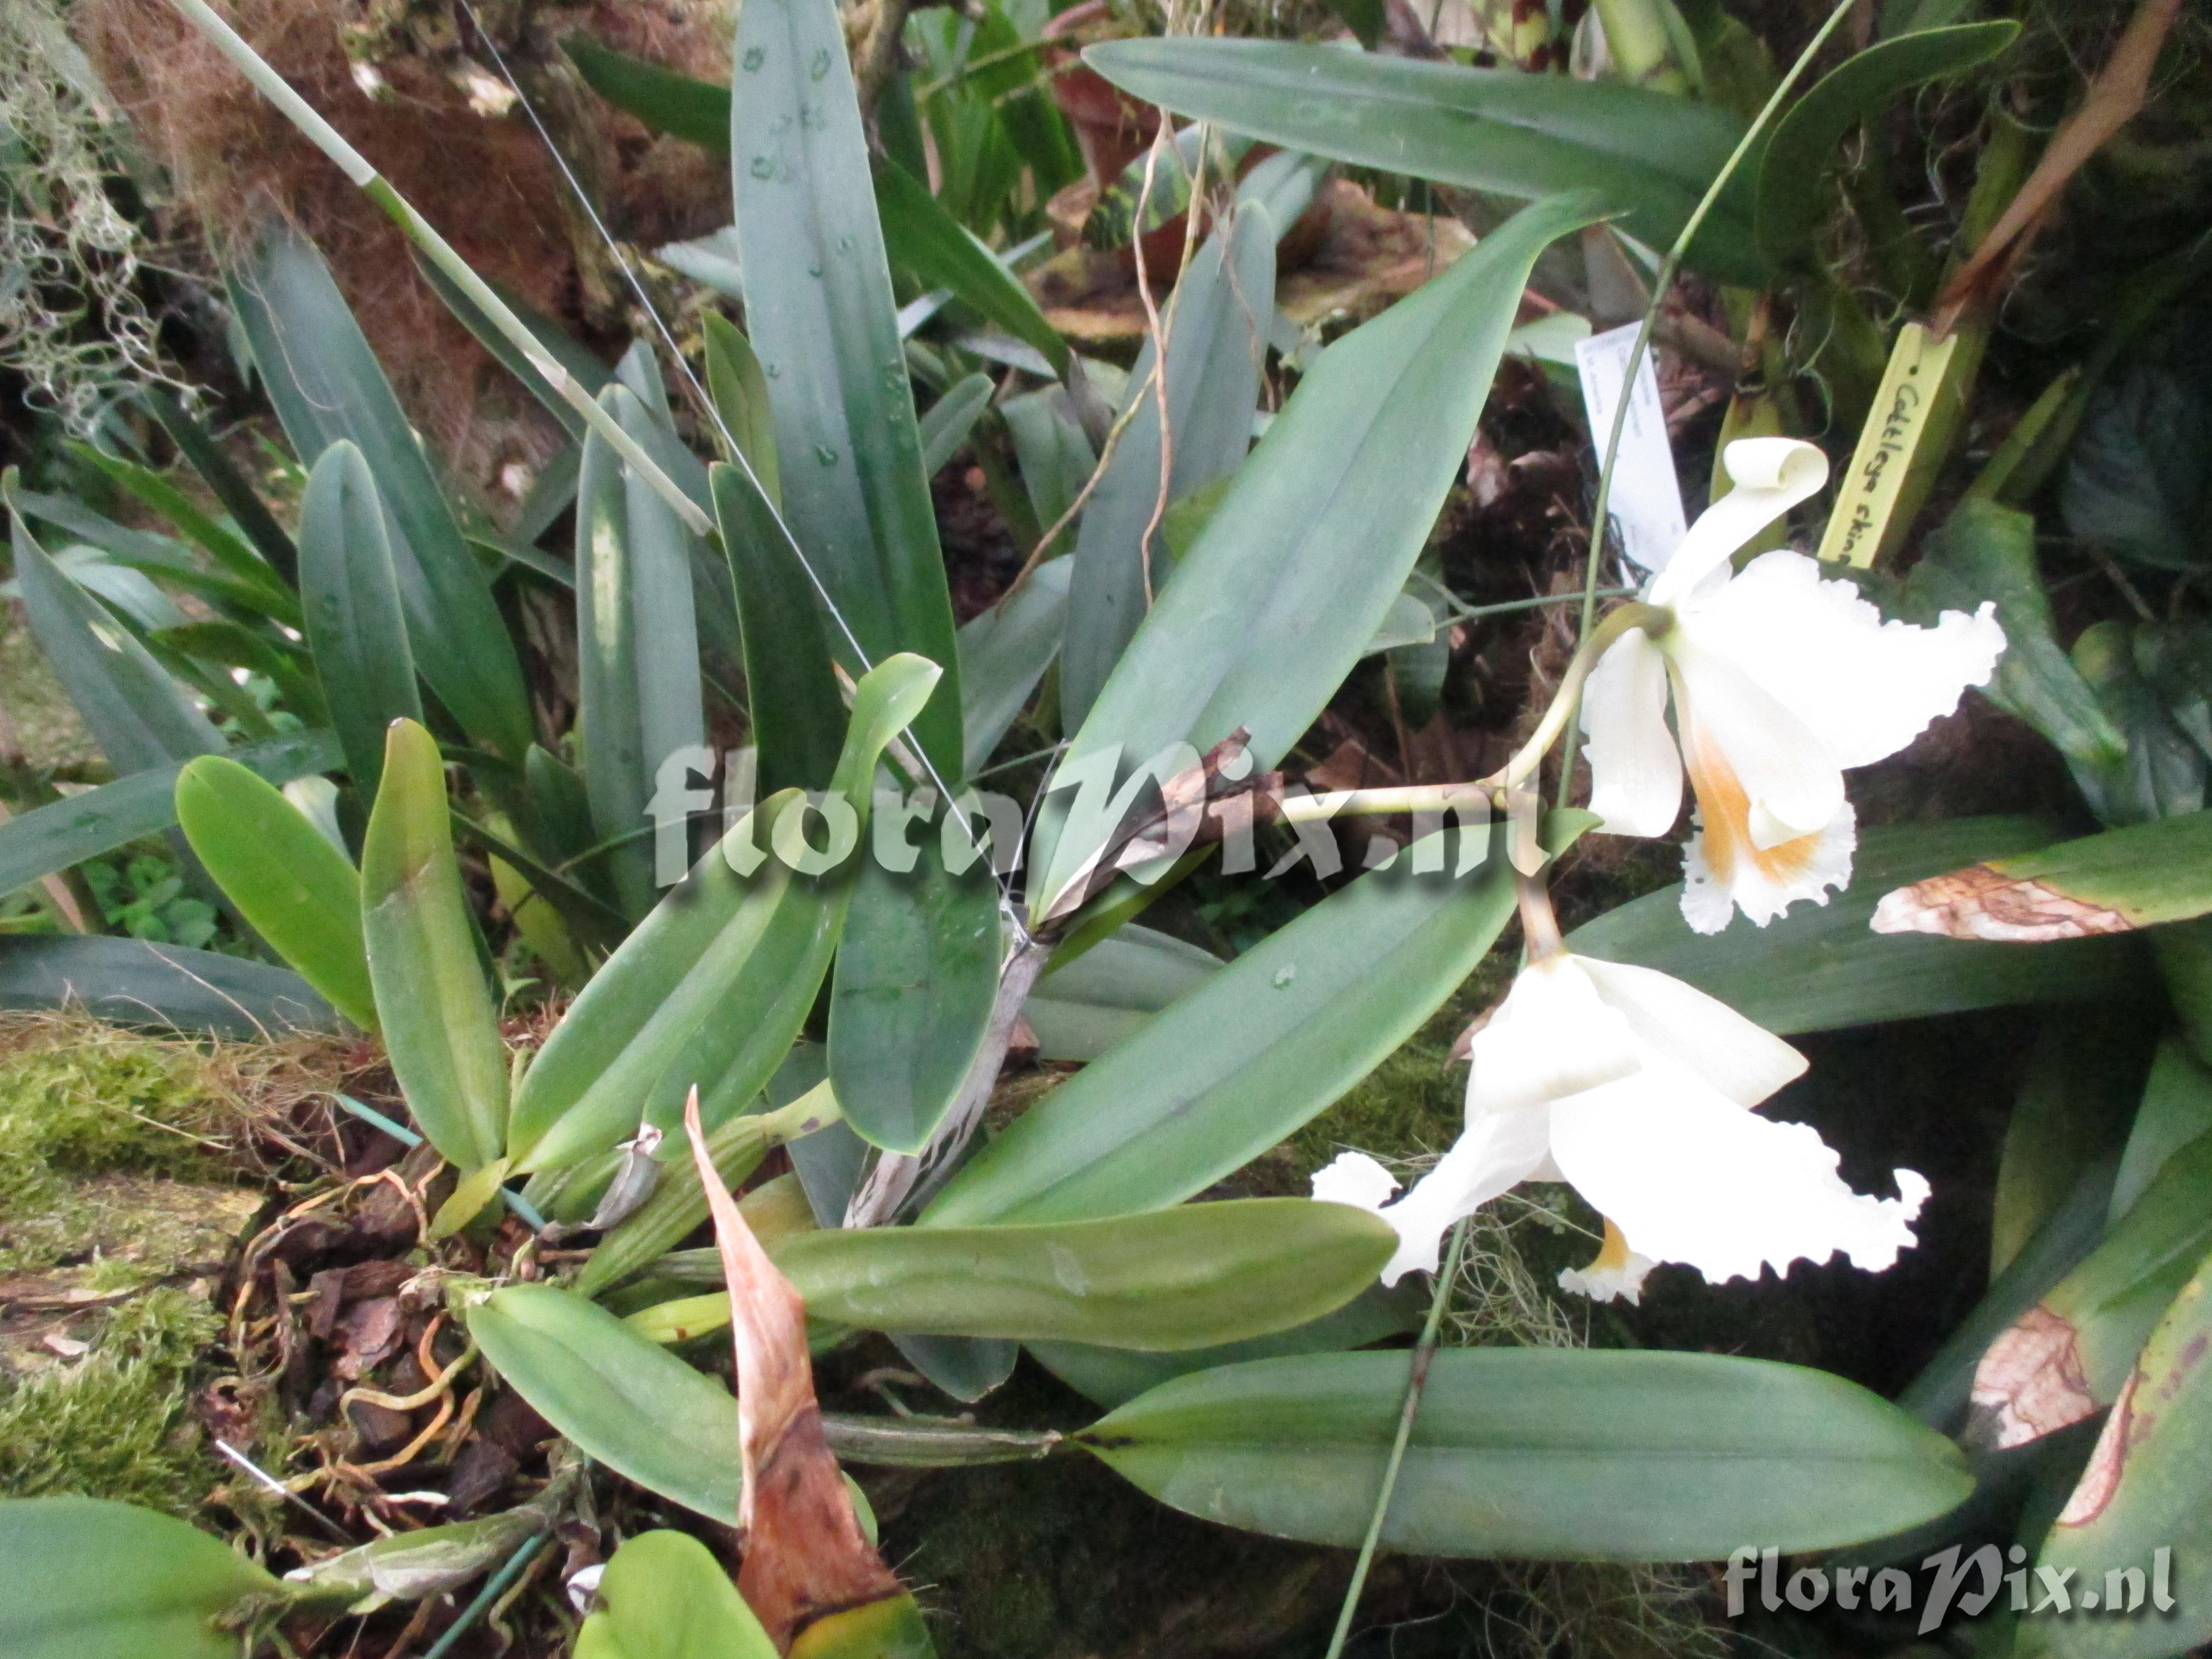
[1866, 495]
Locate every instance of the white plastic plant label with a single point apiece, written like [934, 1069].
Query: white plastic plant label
[1646, 504]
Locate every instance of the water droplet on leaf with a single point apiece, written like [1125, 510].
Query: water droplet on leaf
[1284, 977]
[764, 167]
[824, 455]
[755, 57]
[819, 65]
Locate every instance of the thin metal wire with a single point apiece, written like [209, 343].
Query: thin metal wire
[706, 405]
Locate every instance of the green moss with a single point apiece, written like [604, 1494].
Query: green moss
[77, 1100]
[113, 1423]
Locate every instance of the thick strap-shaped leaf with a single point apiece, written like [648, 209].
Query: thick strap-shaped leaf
[1652, 156]
[441, 1026]
[1287, 583]
[640, 697]
[137, 714]
[297, 890]
[131, 982]
[327, 384]
[1821, 967]
[938, 251]
[1538, 1453]
[88, 1579]
[66, 832]
[664, 1596]
[1224, 303]
[350, 586]
[819, 308]
[711, 988]
[1241, 1061]
[796, 710]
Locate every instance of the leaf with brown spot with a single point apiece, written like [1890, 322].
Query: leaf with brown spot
[2142, 1498]
[810, 1574]
[2072, 1353]
[2113, 882]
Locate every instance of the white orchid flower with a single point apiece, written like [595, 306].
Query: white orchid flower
[1638, 1091]
[1780, 680]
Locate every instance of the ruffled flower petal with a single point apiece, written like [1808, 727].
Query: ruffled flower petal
[1551, 1037]
[1617, 1272]
[1687, 1177]
[1723, 873]
[1744, 1061]
[1636, 775]
[1356, 1179]
[1864, 688]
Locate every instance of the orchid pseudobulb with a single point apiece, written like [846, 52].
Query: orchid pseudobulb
[1638, 1091]
[1780, 680]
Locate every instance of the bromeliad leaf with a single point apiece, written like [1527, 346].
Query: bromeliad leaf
[1538, 1453]
[440, 1027]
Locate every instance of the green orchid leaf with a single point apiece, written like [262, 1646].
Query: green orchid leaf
[129, 981]
[1115, 1376]
[925, 241]
[2125, 878]
[820, 312]
[739, 385]
[2176, 1109]
[916, 980]
[951, 418]
[224, 479]
[1538, 1453]
[88, 1579]
[2134, 1532]
[297, 890]
[1806, 139]
[1651, 155]
[1225, 302]
[2070, 1355]
[1194, 1276]
[1112, 991]
[354, 620]
[83, 826]
[711, 988]
[1820, 968]
[1240, 1062]
[238, 558]
[625, 1402]
[1004, 653]
[139, 716]
[664, 1596]
[797, 713]
[640, 697]
[441, 1026]
[1272, 608]
[326, 385]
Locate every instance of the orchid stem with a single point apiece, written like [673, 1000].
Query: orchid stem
[1654, 619]
[1660, 287]
[1425, 1353]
